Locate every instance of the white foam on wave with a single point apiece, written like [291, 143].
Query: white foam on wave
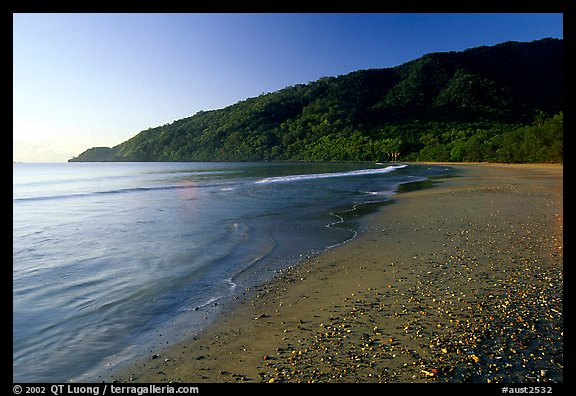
[312, 176]
[385, 193]
[206, 303]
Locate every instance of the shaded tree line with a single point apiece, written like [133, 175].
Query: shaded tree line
[475, 105]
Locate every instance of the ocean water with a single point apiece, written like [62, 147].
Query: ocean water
[112, 259]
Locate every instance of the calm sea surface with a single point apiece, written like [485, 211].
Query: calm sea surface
[110, 258]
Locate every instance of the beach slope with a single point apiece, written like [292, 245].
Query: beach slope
[461, 282]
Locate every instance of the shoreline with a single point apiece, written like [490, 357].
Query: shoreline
[461, 282]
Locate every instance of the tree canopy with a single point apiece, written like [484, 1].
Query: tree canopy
[499, 103]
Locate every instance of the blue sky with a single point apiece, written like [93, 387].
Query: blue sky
[84, 80]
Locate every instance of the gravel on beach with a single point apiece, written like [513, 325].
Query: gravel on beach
[461, 282]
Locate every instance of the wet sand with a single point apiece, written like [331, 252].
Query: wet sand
[462, 282]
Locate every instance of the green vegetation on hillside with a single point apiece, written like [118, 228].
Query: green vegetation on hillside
[500, 103]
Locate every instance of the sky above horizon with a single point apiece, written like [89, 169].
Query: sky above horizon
[87, 80]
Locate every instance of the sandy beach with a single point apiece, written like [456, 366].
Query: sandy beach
[461, 282]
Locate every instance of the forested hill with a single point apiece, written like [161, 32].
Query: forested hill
[497, 103]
